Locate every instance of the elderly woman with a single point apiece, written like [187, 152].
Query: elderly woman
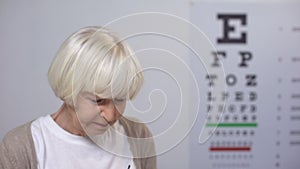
[93, 73]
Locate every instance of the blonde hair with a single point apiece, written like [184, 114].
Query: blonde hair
[95, 60]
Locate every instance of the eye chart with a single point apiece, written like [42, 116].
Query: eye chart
[258, 45]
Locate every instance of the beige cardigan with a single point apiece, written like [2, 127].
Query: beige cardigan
[17, 148]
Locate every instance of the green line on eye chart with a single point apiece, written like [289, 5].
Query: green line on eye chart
[231, 125]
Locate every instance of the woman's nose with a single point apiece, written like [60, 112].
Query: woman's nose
[109, 112]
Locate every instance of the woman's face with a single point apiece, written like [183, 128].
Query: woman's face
[97, 114]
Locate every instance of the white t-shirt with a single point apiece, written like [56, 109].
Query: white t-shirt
[59, 149]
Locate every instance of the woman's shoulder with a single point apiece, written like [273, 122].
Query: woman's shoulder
[18, 131]
[17, 144]
[18, 139]
[143, 149]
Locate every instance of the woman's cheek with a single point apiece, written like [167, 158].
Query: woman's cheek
[87, 114]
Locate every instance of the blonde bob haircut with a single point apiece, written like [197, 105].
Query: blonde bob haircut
[95, 60]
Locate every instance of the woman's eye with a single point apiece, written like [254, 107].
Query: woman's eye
[98, 101]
